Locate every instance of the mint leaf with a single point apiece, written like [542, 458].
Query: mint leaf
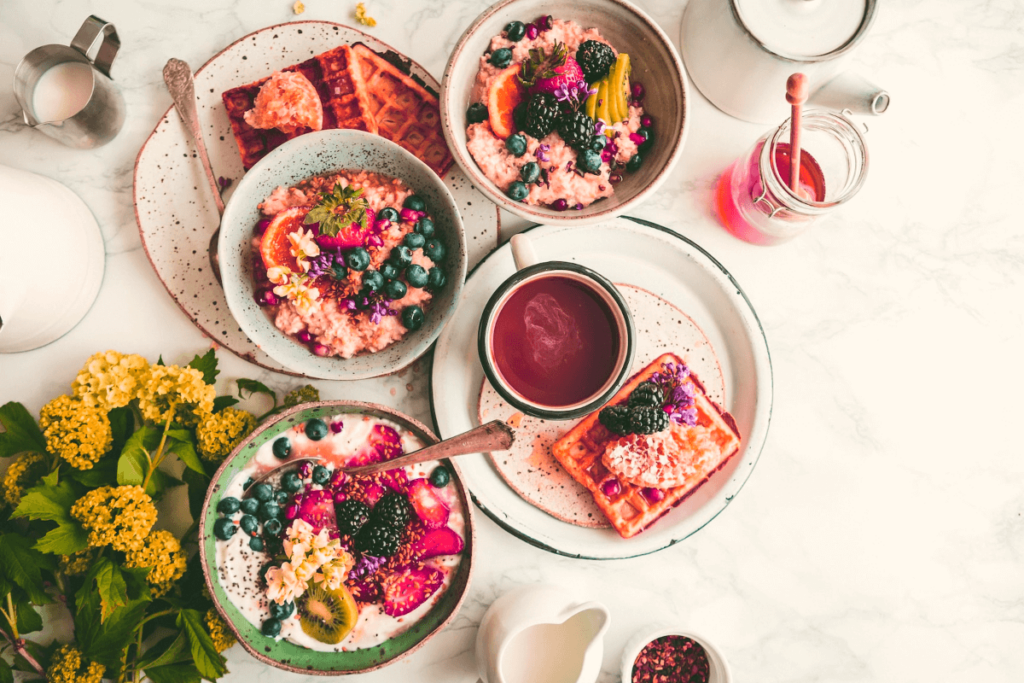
[47, 502]
[133, 463]
[23, 565]
[65, 539]
[338, 210]
[209, 662]
[104, 641]
[206, 364]
[222, 402]
[22, 433]
[181, 444]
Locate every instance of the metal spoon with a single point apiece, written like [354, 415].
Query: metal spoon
[178, 77]
[493, 436]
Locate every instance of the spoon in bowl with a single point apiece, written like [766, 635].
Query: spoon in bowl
[178, 77]
[493, 436]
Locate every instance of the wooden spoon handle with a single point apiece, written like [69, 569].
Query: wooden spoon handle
[493, 436]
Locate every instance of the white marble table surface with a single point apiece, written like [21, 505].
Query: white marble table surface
[881, 537]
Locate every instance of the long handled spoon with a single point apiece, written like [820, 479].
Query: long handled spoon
[178, 77]
[493, 436]
[796, 95]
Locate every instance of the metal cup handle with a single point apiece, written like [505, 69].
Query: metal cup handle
[88, 36]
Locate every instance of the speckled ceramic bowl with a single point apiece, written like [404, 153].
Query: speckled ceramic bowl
[317, 154]
[291, 657]
[655, 63]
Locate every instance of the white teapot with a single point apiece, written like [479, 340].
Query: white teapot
[51, 260]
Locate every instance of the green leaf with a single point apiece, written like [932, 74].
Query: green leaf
[22, 433]
[197, 485]
[122, 424]
[48, 502]
[209, 662]
[104, 641]
[206, 364]
[254, 387]
[170, 650]
[103, 473]
[29, 620]
[182, 445]
[106, 579]
[6, 674]
[133, 463]
[337, 210]
[185, 672]
[23, 565]
[160, 359]
[159, 482]
[53, 478]
[65, 539]
[41, 653]
[222, 402]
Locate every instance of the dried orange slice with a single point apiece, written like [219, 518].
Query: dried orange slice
[502, 97]
[275, 248]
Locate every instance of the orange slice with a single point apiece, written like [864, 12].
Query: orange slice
[502, 97]
[275, 248]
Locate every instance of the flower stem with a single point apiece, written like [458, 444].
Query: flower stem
[12, 617]
[155, 461]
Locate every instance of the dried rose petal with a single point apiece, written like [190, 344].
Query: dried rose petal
[671, 659]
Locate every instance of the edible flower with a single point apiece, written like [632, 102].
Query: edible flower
[279, 274]
[304, 394]
[678, 393]
[379, 306]
[161, 552]
[78, 433]
[69, 666]
[325, 262]
[303, 246]
[21, 473]
[120, 516]
[110, 379]
[574, 94]
[316, 558]
[219, 433]
[298, 291]
[542, 152]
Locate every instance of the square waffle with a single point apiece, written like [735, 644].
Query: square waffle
[629, 511]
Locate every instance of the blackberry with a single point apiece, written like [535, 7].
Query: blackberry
[647, 420]
[541, 116]
[378, 540]
[577, 129]
[595, 59]
[391, 510]
[647, 394]
[615, 419]
[352, 516]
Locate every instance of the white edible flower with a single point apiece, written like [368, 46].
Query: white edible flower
[279, 274]
[298, 291]
[303, 244]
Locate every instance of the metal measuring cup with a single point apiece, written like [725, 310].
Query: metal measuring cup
[101, 118]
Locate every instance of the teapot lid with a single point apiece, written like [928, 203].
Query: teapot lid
[805, 29]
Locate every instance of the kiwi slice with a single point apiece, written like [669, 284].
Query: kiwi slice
[326, 615]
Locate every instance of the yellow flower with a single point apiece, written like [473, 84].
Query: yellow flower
[120, 517]
[77, 564]
[219, 633]
[219, 433]
[279, 275]
[77, 432]
[69, 666]
[305, 394]
[110, 379]
[298, 7]
[303, 246]
[22, 473]
[162, 552]
[362, 17]
[177, 393]
[304, 296]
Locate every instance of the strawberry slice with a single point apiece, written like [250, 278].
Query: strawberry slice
[386, 442]
[504, 93]
[317, 508]
[366, 589]
[395, 480]
[441, 541]
[351, 236]
[429, 508]
[409, 587]
[275, 248]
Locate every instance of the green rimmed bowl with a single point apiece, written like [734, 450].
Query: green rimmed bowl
[291, 657]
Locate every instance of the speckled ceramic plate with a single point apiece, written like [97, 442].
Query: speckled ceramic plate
[174, 208]
[291, 657]
[677, 270]
[530, 469]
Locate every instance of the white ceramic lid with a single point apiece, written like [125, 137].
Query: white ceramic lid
[803, 28]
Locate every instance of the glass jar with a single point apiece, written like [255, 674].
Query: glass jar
[755, 201]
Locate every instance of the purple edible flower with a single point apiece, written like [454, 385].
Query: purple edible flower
[367, 565]
[574, 94]
[321, 264]
[378, 305]
[224, 183]
[678, 393]
[542, 152]
[347, 304]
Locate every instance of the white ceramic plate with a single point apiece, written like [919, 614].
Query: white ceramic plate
[674, 268]
[175, 210]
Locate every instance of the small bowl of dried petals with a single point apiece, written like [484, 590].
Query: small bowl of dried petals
[668, 654]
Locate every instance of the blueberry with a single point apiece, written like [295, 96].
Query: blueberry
[434, 250]
[373, 280]
[250, 506]
[518, 191]
[414, 203]
[400, 257]
[515, 31]
[249, 524]
[224, 528]
[599, 143]
[390, 214]
[395, 289]
[247, 484]
[477, 113]
[316, 429]
[436, 278]
[440, 477]
[648, 135]
[256, 543]
[530, 172]
[321, 475]
[388, 272]
[282, 448]
[283, 610]
[412, 318]
[269, 510]
[501, 57]
[339, 271]
[416, 276]
[271, 628]
[633, 165]
[272, 527]
[281, 497]
[425, 227]
[589, 161]
[290, 482]
[414, 240]
[262, 492]
[229, 505]
[357, 259]
[516, 144]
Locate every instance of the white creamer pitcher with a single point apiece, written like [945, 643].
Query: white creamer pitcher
[739, 54]
[541, 634]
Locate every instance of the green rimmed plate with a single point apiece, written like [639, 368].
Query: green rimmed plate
[295, 658]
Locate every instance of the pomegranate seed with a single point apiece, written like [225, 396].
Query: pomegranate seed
[532, 32]
[646, 121]
[305, 337]
[560, 205]
[611, 488]
[638, 91]
[292, 511]
[261, 226]
[340, 496]
[543, 23]
[266, 297]
[615, 178]
[653, 495]
[322, 350]
[305, 470]
[337, 426]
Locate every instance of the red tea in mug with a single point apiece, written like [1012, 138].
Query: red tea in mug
[555, 341]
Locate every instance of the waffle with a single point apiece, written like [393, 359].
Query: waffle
[630, 511]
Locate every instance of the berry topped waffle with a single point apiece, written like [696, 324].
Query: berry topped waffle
[699, 440]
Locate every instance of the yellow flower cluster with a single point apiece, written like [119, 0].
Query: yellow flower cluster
[219, 633]
[76, 564]
[69, 666]
[22, 472]
[176, 393]
[162, 552]
[120, 517]
[75, 431]
[312, 558]
[110, 379]
[219, 433]
[305, 394]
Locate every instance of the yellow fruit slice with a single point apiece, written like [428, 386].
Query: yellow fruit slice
[618, 89]
[325, 615]
[592, 101]
[602, 101]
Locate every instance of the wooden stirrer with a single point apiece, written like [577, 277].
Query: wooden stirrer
[796, 95]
